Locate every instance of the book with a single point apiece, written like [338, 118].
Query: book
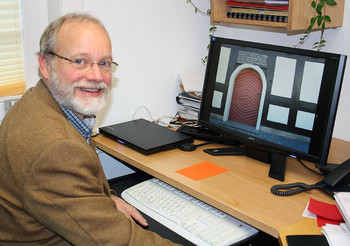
[343, 203]
[336, 234]
[190, 106]
[188, 102]
[188, 114]
[191, 83]
[196, 94]
[188, 97]
[253, 5]
[268, 2]
[258, 11]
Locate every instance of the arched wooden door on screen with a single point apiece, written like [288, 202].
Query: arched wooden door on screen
[245, 96]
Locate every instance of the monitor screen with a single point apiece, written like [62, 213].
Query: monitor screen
[275, 99]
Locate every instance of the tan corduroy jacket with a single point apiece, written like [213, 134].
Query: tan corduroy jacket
[53, 190]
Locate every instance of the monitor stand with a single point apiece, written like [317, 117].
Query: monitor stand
[277, 161]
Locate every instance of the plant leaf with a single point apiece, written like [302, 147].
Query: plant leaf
[313, 4]
[312, 21]
[327, 18]
[319, 8]
[331, 2]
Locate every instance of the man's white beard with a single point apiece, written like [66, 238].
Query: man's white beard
[87, 106]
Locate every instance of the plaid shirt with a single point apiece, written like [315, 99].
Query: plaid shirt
[84, 127]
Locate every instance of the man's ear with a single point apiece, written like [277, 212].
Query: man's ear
[44, 66]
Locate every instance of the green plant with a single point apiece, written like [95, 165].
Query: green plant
[320, 18]
[212, 28]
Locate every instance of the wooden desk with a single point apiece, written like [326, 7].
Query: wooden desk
[306, 226]
[243, 191]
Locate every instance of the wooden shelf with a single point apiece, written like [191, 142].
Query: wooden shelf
[299, 15]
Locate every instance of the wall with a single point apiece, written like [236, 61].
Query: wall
[155, 40]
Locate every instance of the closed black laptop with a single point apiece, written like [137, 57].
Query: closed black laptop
[145, 136]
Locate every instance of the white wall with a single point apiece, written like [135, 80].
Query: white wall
[155, 40]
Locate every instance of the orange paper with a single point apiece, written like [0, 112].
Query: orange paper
[201, 170]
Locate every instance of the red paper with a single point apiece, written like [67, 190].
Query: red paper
[323, 221]
[325, 210]
[326, 213]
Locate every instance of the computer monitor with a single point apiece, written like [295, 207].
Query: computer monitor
[277, 101]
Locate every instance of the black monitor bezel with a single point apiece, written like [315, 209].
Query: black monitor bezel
[334, 71]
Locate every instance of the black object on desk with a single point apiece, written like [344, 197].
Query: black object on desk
[198, 132]
[145, 136]
[307, 240]
[203, 133]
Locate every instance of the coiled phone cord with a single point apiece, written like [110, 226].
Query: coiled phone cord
[295, 188]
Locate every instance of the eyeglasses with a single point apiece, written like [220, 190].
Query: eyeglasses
[82, 64]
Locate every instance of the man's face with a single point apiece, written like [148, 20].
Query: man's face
[83, 91]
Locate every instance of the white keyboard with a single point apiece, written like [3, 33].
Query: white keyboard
[189, 217]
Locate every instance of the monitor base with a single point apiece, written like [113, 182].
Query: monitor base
[277, 161]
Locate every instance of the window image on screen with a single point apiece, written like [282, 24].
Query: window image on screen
[277, 101]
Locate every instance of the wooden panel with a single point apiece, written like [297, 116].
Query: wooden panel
[300, 14]
[219, 14]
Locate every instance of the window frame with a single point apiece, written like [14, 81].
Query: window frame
[12, 79]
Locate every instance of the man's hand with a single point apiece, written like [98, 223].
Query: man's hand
[129, 210]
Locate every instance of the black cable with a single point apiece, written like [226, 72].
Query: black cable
[209, 142]
[303, 164]
[294, 188]
[191, 146]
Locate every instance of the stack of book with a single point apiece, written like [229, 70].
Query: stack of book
[343, 203]
[267, 10]
[190, 96]
[339, 234]
[190, 105]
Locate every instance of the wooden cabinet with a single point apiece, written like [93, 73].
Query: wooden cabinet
[299, 14]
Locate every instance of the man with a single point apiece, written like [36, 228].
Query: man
[53, 190]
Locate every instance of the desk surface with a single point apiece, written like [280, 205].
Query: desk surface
[243, 191]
